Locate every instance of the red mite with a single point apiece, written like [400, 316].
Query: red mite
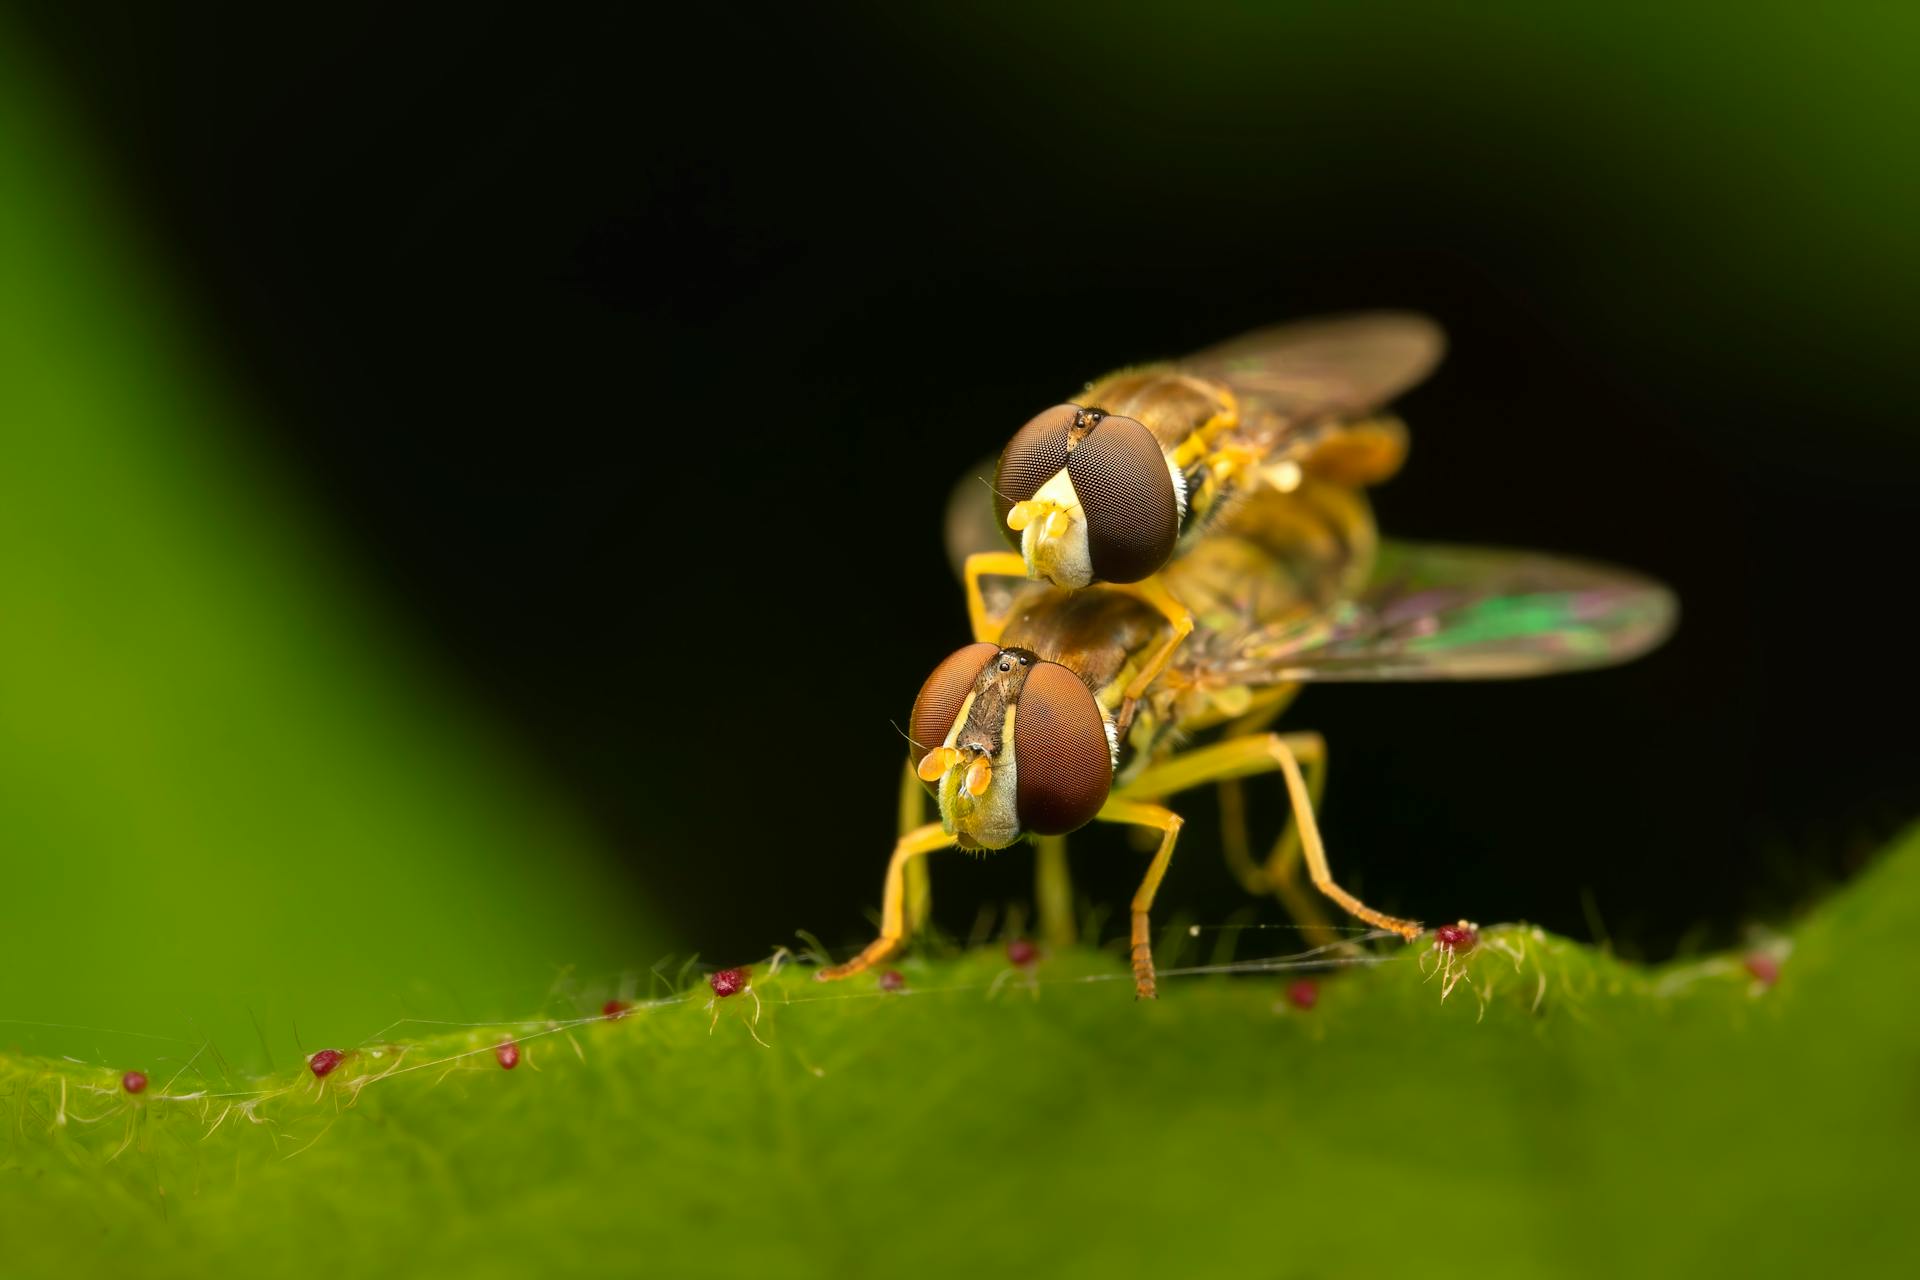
[323, 1062]
[134, 1081]
[614, 1009]
[893, 980]
[1764, 968]
[509, 1055]
[727, 982]
[1456, 937]
[1303, 994]
[1022, 952]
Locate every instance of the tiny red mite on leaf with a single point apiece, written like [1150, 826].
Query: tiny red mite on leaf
[1022, 952]
[1303, 994]
[727, 982]
[509, 1055]
[893, 980]
[614, 1009]
[134, 1081]
[323, 1062]
[1456, 937]
[1764, 968]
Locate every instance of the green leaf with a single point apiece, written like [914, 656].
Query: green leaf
[1559, 1113]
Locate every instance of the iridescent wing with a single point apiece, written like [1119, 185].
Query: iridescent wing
[1310, 392]
[1438, 612]
[970, 524]
[1339, 367]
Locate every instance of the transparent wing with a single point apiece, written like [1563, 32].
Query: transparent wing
[1336, 367]
[969, 524]
[1438, 612]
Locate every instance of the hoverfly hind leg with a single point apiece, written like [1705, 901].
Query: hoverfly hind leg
[1281, 871]
[1272, 753]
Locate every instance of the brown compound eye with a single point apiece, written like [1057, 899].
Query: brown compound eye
[1034, 456]
[1064, 764]
[1128, 499]
[938, 704]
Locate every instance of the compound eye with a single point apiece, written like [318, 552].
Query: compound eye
[938, 705]
[1064, 764]
[1127, 496]
[1034, 456]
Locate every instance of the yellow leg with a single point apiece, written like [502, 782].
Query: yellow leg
[1233, 837]
[893, 913]
[1195, 446]
[1310, 750]
[1176, 613]
[1282, 870]
[1217, 472]
[1233, 801]
[1053, 890]
[1269, 753]
[913, 812]
[981, 564]
[1168, 823]
[1281, 873]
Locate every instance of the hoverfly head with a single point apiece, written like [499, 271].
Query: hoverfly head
[1010, 745]
[1087, 495]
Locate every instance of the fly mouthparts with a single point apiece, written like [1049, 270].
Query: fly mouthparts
[934, 765]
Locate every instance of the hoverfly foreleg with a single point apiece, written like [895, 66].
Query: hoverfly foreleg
[893, 909]
[983, 564]
[919, 886]
[1181, 619]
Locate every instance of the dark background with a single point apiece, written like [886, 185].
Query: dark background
[635, 357]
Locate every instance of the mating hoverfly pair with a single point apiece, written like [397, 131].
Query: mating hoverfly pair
[1194, 544]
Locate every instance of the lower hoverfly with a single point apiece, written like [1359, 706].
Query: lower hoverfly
[1017, 734]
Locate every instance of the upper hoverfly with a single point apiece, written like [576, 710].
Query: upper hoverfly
[1110, 486]
[1076, 700]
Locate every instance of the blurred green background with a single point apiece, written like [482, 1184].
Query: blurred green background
[363, 373]
[236, 800]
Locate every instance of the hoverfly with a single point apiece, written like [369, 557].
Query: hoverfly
[1070, 706]
[1107, 488]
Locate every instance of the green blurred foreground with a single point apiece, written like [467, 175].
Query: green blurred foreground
[230, 797]
[1561, 1113]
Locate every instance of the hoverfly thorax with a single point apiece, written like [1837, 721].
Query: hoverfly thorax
[1010, 745]
[1089, 496]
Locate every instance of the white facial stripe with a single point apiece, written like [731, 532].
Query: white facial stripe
[1064, 559]
[990, 818]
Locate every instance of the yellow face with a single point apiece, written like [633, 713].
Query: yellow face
[978, 714]
[1091, 496]
[979, 794]
[1053, 534]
